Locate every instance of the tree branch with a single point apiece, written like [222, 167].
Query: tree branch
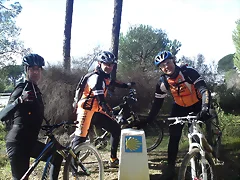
[5, 7]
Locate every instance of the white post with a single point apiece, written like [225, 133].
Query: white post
[133, 163]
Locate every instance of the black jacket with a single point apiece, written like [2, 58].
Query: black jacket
[28, 116]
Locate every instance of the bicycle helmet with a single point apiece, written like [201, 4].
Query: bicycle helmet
[106, 57]
[162, 56]
[33, 60]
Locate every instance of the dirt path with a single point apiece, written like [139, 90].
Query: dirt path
[157, 160]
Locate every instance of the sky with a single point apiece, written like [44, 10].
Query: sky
[202, 26]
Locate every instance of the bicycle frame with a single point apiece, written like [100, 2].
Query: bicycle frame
[47, 149]
[52, 147]
[200, 143]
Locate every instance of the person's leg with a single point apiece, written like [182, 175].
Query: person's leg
[19, 160]
[209, 132]
[175, 133]
[84, 118]
[56, 163]
[103, 121]
[56, 160]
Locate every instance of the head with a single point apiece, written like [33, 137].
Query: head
[33, 64]
[166, 62]
[106, 61]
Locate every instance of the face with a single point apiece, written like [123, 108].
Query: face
[34, 74]
[167, 66]
[107, 67]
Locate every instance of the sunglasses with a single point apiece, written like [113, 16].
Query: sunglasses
[108, 64]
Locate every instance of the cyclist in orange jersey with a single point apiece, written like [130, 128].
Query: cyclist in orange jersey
[190, 94]
[92, 107]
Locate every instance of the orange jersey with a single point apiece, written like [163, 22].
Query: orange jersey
[184, 93]
[184, 87]
[95, 86]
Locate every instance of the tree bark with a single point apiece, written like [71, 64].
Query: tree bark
[67, 36]
[115, 32]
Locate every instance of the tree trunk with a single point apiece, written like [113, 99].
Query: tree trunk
[67, 36]
[115, 32]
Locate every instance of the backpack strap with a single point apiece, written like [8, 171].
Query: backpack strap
[163, 79]
[80, 88]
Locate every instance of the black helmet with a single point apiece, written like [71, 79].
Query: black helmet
[106, 57]
[33, 60]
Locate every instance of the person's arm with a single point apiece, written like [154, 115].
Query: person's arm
[96, 84]
[202, 88]
[120, 84]
[160, 94]
[12, 105]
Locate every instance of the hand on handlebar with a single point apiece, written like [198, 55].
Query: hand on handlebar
[204, 114]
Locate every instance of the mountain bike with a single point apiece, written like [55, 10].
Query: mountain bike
[198, 162]
[73, 168]
[127, 118]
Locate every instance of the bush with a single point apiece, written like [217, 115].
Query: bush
[58, 90]
[9, 89]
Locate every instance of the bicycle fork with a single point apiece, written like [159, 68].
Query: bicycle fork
[201, 144]
[78, 163]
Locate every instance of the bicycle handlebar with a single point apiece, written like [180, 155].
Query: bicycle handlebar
[50, 128]
[184, 119]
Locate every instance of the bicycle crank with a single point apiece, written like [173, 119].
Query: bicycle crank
[100, 143]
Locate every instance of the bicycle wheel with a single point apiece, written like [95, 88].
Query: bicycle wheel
[45, 174]
[154, 135]
[93, 163]
[187, 172]
[90, 139]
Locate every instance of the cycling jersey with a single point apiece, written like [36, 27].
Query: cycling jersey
[21, 140]
[95, 90]
[186, 86]
[190, 94]
[28, 117]
[182, 87]
[93, 104]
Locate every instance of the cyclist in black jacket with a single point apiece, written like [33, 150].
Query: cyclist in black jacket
[190, 94]
[27, 109]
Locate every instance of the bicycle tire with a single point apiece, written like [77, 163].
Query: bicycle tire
[185, 170]
[45, 174]
[154, 135]
[88, 162]
[84, 155]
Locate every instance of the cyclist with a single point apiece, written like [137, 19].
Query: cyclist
[190, 94]
[92, 108]
[27, 117]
